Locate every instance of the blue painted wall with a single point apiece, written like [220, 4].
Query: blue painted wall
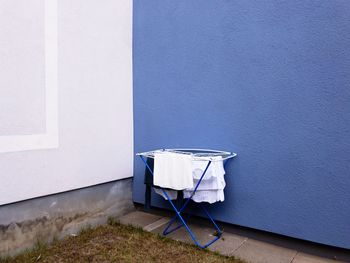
[269, 80]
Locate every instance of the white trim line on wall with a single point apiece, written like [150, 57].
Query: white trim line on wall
[13, 143]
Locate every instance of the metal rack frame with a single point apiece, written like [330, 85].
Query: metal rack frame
[197, 155]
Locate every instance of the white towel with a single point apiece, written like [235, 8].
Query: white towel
[173, 170]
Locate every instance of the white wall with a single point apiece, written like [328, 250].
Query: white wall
[65, 121]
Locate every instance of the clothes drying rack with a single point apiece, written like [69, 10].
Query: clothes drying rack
[197, 155]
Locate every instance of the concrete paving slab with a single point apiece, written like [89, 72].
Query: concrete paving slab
[228, 243]
[306, 258]
[247, 249]
[139, 219]
[182, 234]
[157, 224]
[259, 252]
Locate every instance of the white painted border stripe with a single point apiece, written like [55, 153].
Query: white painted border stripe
[51, 63]
[12, 143]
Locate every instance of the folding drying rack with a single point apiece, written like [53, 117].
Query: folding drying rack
[197, 155]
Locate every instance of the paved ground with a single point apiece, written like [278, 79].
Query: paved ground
[249, 245]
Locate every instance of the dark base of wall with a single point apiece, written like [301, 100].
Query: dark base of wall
[24, 223]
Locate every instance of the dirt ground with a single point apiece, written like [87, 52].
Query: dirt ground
[117, 243]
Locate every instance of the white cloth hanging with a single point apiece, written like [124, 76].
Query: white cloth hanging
[210, 189]
[173, 170]
[214, 183]
[209, 196]
[215, 168]
[179, 172]
[171, 193]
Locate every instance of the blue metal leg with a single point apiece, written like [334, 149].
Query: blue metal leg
[166, 231]
[179, 211]
[196, 241]
[211, 219]
[172, 221]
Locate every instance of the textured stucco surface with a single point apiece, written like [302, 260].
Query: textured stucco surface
[95, 120]
[22, 71]
[267, 79]
[24, 223]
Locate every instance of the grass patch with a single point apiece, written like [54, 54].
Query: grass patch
[117, 243]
